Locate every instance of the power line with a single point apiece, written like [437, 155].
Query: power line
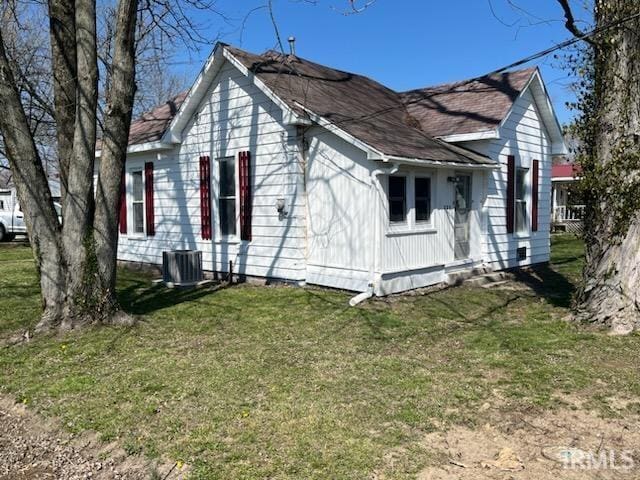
[565, 44]
[530, 58]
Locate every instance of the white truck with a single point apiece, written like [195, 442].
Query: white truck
[11, 216]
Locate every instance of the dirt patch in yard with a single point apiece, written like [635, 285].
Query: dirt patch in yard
[566, 443]
[35, 449]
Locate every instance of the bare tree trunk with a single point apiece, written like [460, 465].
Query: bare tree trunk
[34, 195]
[62, 27]
[77, 235]
[610, 295]
[119, 106]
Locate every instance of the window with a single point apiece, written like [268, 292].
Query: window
[137, 202]
[521, 202]
[397, 199]
[5, 200]
[227, 197]
[423, 199]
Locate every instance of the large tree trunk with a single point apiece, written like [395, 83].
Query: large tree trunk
[62, 29]
[119, 107]
[76, 261]
[610, 295]
[33, 193]
[77, 238]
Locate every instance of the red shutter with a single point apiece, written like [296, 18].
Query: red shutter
[123, 204]
[205, 197]
[245, 195]
[534, 196]
[511, 192]
[148, 198]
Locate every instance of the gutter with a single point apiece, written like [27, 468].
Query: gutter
[438, 164]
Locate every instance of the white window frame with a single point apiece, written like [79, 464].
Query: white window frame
[130, 201]
[411, 225]
[235, 238]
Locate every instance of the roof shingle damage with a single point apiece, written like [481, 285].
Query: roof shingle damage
[395, 124]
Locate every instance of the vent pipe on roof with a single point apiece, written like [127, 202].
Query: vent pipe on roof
[292, 46]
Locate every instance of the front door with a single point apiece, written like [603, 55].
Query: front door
[462, 205]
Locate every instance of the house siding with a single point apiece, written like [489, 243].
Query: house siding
[523, 135]
[234, 116]
[341, 238]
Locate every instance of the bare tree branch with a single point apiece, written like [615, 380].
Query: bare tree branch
[570, 23]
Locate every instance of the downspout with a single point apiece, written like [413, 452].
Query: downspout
[375, 186]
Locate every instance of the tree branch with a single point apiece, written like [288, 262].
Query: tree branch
[570, 23]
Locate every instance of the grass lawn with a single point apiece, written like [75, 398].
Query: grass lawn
[282, 382]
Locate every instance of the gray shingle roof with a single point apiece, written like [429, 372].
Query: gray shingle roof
[395, 124]
[466, 107]
[365, 109]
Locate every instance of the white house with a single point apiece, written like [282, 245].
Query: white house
[296, 171]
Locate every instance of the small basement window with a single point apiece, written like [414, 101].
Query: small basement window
[521, 253]
[397, 199]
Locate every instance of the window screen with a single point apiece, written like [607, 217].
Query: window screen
[138, 201]
[423, 199]
[227, 198]
[521, 202]
[397, 199]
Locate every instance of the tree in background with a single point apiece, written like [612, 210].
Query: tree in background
[27, 47]
[608, 130]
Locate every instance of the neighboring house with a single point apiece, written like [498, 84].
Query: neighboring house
[293, 170]
[568, 206]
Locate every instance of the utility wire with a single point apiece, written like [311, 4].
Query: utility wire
[530, 58]
[565, 44]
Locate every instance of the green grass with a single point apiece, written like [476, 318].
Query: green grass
[282, 382]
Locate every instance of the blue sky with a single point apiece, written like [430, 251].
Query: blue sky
[403, 44]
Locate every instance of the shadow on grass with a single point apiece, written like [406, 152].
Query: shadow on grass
[548, 283]
[139, 298]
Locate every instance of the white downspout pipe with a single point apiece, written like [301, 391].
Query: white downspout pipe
[375, 185]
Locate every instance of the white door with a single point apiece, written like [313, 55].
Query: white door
[462, 216]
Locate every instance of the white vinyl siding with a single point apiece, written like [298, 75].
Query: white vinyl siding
[524, 136]
[234, 116]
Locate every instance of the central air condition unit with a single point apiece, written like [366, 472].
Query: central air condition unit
[182, 268]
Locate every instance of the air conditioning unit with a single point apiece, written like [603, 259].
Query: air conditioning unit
[182, 268]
